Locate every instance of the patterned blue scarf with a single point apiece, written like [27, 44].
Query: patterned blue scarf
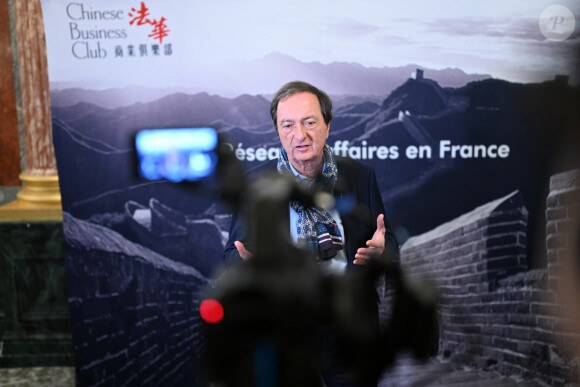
[315, 227]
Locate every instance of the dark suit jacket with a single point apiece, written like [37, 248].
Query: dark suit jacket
[355, 181]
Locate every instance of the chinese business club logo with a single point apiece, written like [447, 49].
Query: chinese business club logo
[98, 33]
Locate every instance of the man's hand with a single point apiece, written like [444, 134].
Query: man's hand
[245, 254]
[376, 246]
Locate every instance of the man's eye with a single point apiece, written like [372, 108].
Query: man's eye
[310, 123]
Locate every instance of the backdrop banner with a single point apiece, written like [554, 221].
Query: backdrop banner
[454, 106]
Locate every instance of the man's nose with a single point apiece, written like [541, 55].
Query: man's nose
[300, 131]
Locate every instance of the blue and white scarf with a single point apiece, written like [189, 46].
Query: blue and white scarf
[316, 227]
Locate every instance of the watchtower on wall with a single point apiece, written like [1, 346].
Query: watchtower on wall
[419, 75]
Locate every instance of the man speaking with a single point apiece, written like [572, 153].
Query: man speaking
[302, 115]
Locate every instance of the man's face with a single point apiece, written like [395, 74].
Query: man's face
[302, 129]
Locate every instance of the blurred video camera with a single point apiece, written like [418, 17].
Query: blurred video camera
[264, 316]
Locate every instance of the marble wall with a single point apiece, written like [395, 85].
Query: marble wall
[34, 314]
[10, 158]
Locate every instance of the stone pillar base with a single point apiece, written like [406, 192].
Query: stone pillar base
[39, 199]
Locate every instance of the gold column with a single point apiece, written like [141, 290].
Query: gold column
[39, 198]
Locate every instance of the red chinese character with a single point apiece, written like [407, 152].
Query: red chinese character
[141, 17]
[160, 30]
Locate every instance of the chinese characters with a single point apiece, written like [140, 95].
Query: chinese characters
[143, 50]
[140, 17]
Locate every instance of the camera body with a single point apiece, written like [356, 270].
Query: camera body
[280, 310]
[278, 304]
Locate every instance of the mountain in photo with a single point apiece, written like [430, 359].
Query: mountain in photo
[264, 76]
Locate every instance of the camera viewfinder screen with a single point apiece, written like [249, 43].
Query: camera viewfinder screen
[183, 154]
